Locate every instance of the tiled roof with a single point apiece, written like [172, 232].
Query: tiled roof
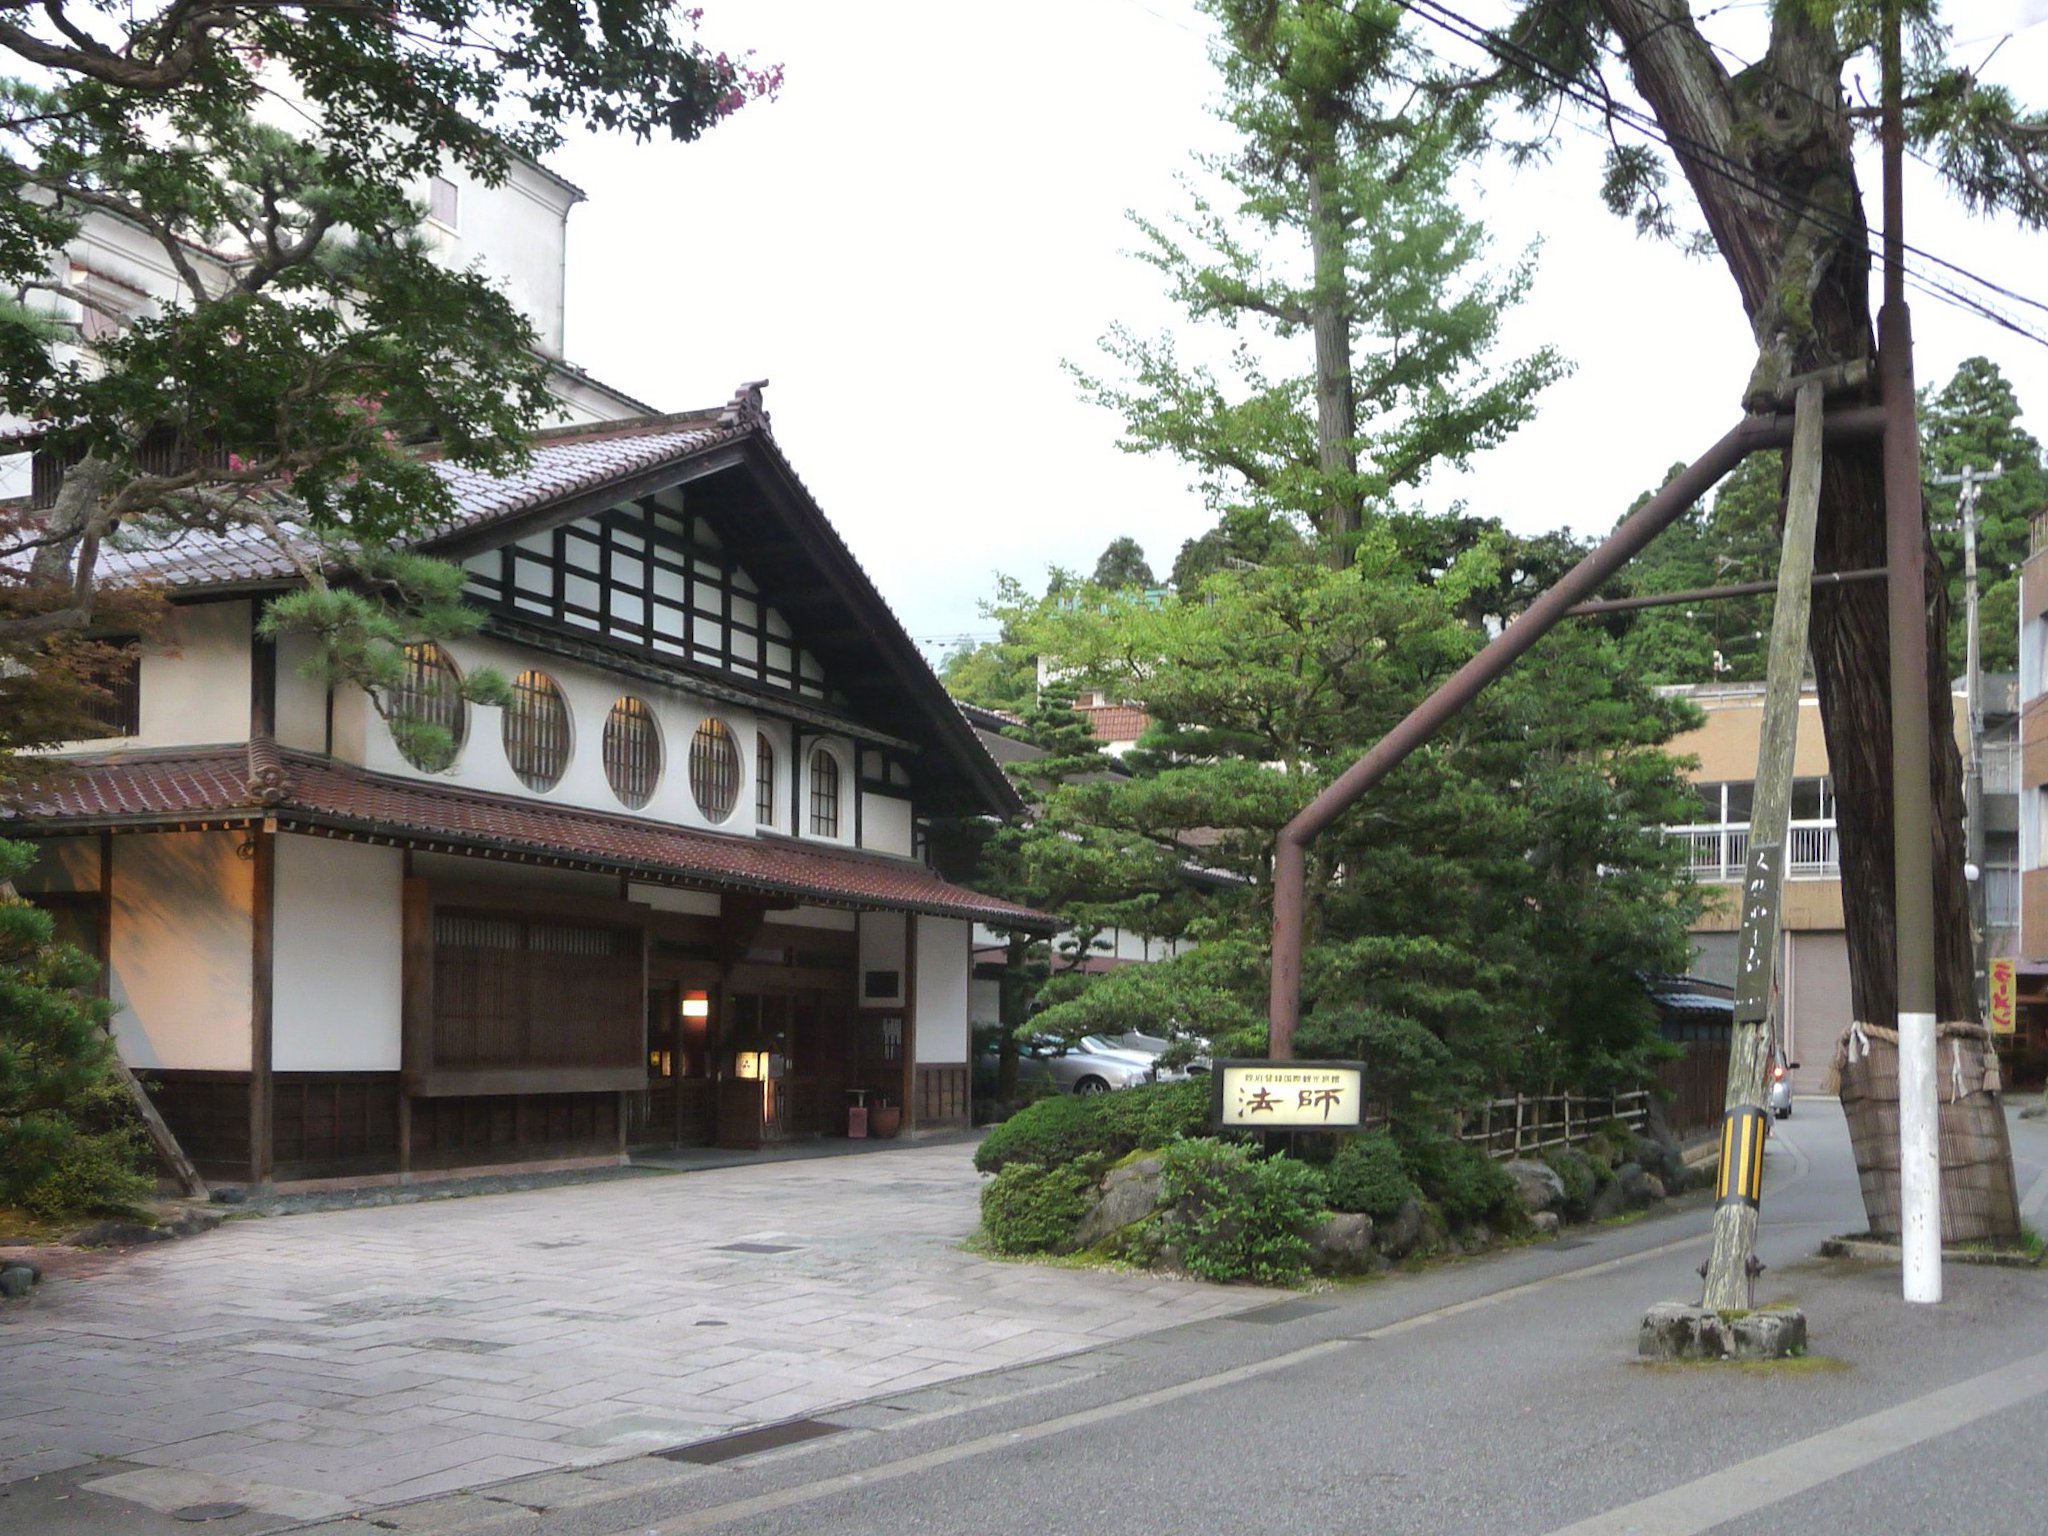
[1116, 722]
[314, 793]
[563, 463]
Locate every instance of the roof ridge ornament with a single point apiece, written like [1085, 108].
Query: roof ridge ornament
[745, 409]
[269, 784]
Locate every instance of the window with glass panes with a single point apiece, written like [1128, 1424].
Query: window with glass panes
[632, 751]
[537, 731]
[714, 770]
[429, 692]
[824, 794]
[764, 781]
[654, 575]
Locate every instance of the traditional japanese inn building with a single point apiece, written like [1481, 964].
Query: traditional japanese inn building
[681, 890]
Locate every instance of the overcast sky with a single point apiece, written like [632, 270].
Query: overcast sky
[931, 217]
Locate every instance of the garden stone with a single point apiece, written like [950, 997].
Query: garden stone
[1635, 1184]
[1402, 1231]
[1770, 1335]
[1537, 1186]
[1343, 1245]
[1676, 1330]
[118, 1234]
[17, 1280]
[1545, 1223]
[1655, 1186]
[1128, 1194]
[1610, 1199]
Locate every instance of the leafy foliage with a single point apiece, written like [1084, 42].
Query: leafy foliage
[1031, 1208]
[1368, 1175]
[1467, 1185]
[64, 1147]
[1100, 1128]
[1236, 1217]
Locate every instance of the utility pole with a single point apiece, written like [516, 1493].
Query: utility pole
[1967, 482]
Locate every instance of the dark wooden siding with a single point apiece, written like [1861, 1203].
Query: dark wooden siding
[512, 991]
[209, 1114]
[943, 1100]
[453, 1133]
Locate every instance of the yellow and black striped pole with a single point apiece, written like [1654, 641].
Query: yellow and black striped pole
[1742, 1157]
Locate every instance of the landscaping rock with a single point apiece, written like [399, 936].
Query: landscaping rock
[1537, 1186]
[1634, 1183]
[17, 1280]
[232, 1196]
[1343, 1245]
[1402, 1231]
[1128, 1194]
[1545, 1223]
[1775, 1335]
[119, 1234]
[1655, 1186]
[1610, 1199]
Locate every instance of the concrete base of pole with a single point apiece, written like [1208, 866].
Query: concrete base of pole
[1919, 1160]
[1677, 1330]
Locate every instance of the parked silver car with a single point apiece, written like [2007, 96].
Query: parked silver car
[1091, 1066]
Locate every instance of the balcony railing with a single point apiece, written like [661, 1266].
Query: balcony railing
[1720, 852]
[2001, 769]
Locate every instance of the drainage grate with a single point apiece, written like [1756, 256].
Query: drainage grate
[757, 1248]
[751, 1442]
[199, 1514]
[463, 1346]
[1284, 1312]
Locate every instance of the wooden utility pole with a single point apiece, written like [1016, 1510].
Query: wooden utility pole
[1749, 1052]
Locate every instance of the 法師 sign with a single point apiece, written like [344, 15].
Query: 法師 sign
[1287, 1095]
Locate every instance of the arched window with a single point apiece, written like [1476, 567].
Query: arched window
[764, 781]
[429, 693]
[824, 794]
[632, 751]
[537, 731]
[714, 770]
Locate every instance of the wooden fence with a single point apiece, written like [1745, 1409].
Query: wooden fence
[1695, 1087]
[1524, 1126]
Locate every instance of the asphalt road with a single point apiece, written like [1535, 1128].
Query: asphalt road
[1500, 1395]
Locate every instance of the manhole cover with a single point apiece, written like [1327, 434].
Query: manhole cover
[757, 1248]
[710, 1322]
[751, 1442]
[196, 1513]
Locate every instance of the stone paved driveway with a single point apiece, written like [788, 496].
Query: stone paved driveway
[325, 1362]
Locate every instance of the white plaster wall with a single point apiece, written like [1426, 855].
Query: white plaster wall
[943, 976]
[63, 866]
[984, 1002]
[338, 959]
[301, 702]
[669, 898]
[180, 950]
[195, 678]
[885, 825]
[518, 233]
[881, 949]
[838, 918]
[455, 868]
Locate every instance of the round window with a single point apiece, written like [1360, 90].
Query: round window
[632, 752]
[714, 770]
[429, 716]
[537, 731]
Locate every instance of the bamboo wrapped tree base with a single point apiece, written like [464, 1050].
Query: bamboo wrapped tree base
[1978, 1199]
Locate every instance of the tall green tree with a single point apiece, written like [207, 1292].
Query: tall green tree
[1333, 256]
[269, 153]
[1973, 421]
[1767, 153]
[1123, 564]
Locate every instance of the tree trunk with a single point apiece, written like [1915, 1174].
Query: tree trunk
[1336, 404]
[1768, 155]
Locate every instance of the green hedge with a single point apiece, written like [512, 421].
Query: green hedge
[1101, 1127]
[1238, 1217]
[1467, 1185]
[1028, 1208]
[1368, 1176]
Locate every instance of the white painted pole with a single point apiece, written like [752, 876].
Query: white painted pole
[1919, 1158]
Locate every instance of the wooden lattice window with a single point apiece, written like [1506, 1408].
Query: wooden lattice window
[632, 751]
[824, 794]
[430, 692]
[537, 731]
[118, 710]
[764, 781]
[714, 770]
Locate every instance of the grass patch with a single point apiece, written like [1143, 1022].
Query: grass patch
[1794, 1365]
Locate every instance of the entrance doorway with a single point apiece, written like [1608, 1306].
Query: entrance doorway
[676, 1106]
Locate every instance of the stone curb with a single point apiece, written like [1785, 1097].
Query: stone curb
[1873, 1251]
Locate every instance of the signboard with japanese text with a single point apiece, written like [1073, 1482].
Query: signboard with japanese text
[1287, 1095]
[2004, 989]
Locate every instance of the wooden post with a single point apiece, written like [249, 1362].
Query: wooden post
[909, 1020]
[1519, 1102]
[262, 968]
[1749, 1052]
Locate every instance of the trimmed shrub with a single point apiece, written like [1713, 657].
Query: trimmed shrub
[85, 1164]
[1103, 1126]
[1467, 1185]
[1237, 1217]
[1581, 1180]
[1028, 1208]
[1367, 1176]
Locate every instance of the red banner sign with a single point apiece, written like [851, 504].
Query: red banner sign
[2003, 987]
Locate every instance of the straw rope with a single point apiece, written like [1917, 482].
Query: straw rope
[1982, 1076]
